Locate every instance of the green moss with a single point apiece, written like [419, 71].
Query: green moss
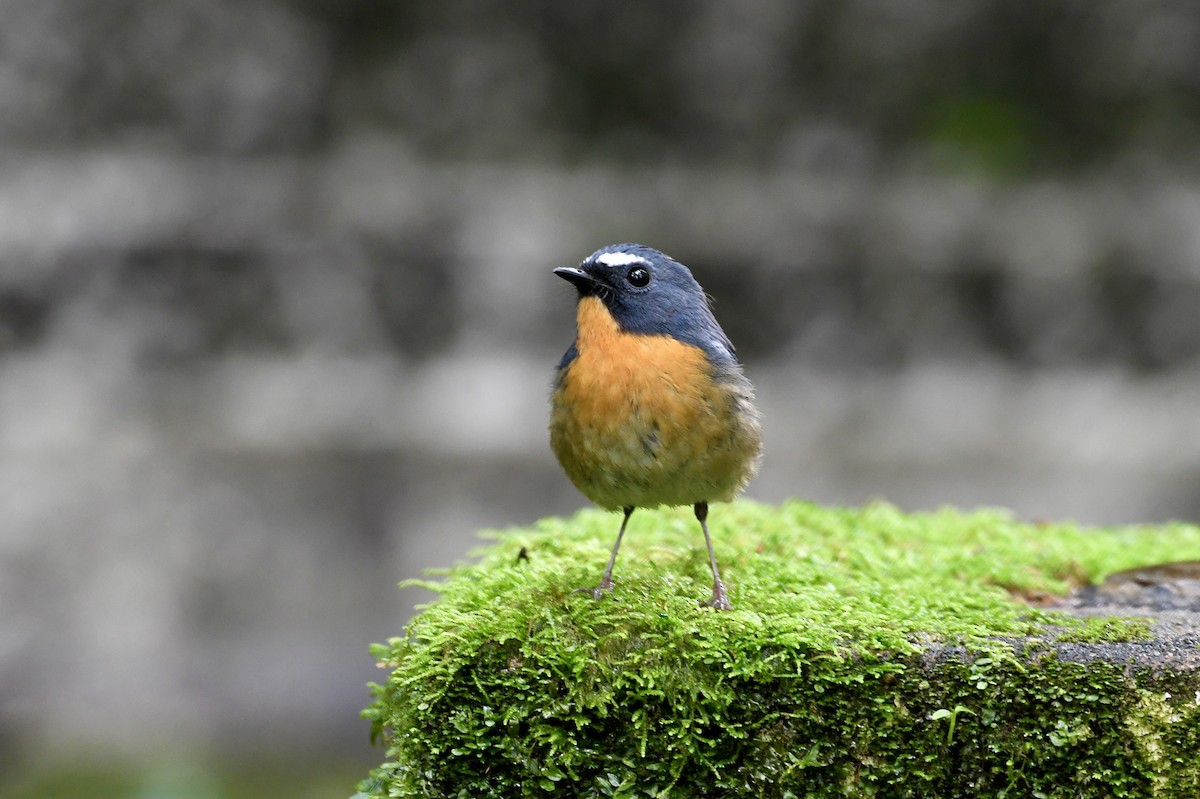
[865, 656]
[1106, 628]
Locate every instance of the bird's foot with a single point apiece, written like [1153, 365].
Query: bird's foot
[606, 586]
[720, 600]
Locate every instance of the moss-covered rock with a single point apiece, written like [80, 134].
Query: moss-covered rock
[869, 653]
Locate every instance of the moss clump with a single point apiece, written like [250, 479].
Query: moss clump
[870, 653]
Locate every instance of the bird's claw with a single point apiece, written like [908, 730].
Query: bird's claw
[598, 591]
[720, 600]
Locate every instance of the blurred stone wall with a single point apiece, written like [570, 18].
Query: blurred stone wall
[277, 319]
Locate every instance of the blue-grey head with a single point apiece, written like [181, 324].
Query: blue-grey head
[649, 292]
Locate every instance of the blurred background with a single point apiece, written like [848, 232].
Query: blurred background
[277, 320]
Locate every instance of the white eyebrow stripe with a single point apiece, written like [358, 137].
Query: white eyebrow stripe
[620, 259]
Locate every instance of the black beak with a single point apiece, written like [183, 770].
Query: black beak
[581, 279]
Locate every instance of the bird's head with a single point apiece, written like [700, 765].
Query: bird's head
[648, 292]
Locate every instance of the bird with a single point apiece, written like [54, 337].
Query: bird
[649, 404]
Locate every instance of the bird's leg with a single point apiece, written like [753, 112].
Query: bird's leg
[606, 583]
[720, 600]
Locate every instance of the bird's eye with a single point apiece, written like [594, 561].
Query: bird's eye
[638, 276]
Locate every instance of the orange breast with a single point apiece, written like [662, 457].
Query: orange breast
[640, 419]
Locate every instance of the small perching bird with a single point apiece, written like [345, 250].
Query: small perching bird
[650, 406]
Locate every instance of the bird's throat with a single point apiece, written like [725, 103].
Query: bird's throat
[595, 325]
